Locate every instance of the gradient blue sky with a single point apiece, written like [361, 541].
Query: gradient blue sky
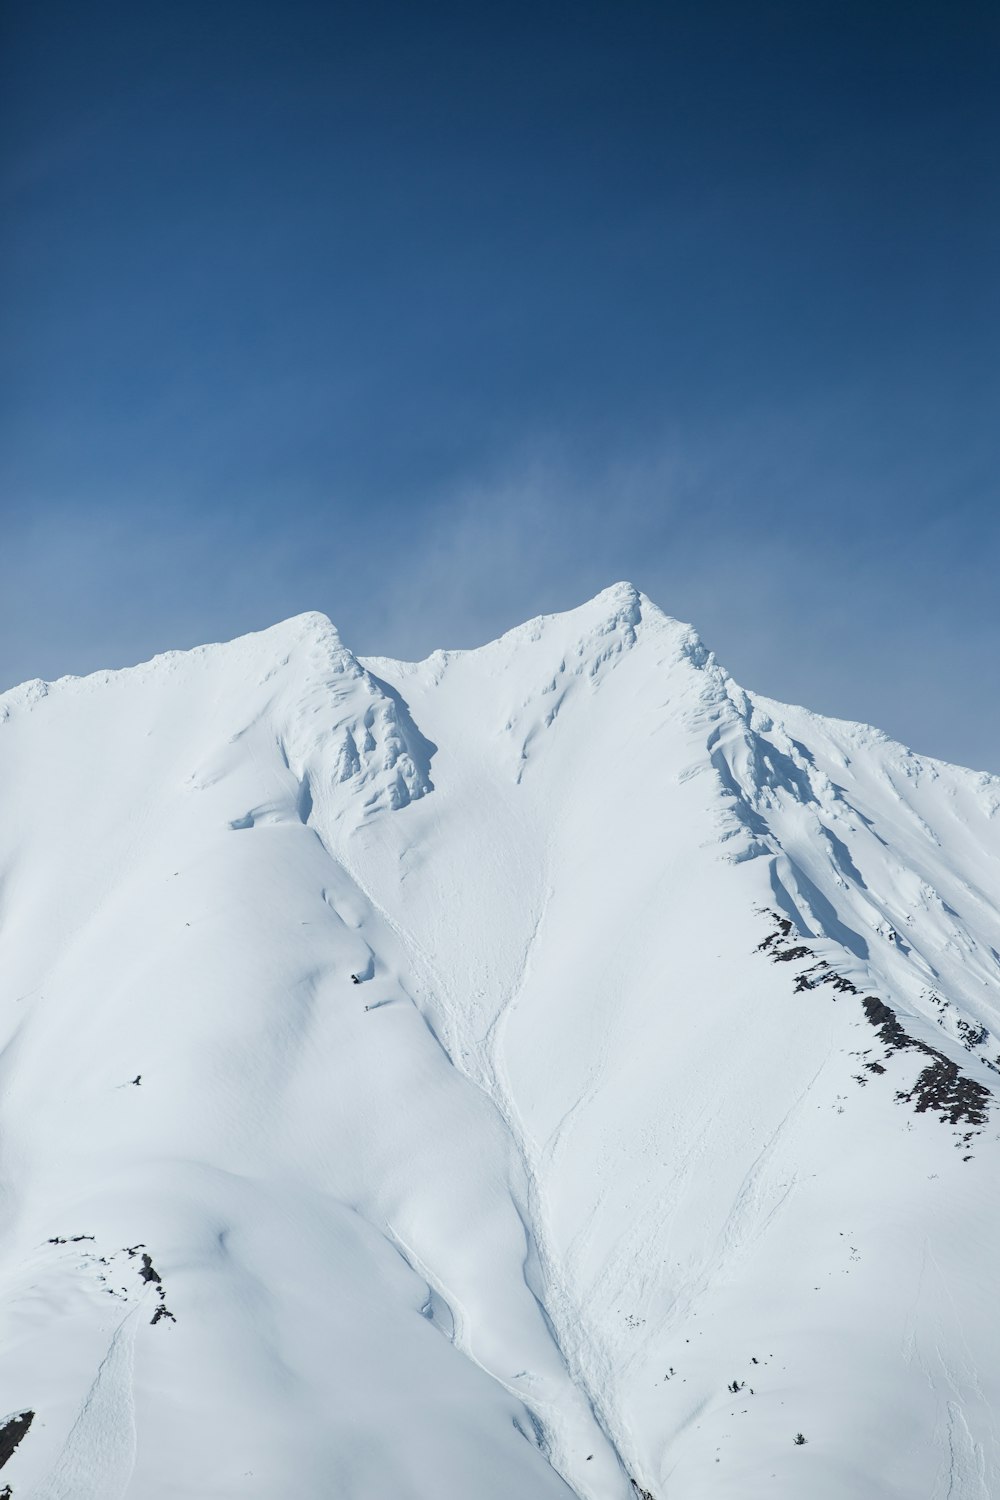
[434, 317]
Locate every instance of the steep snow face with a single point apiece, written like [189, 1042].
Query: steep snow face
[231, 1198]
[893, 855]
[724, 1186]
[656, 1131]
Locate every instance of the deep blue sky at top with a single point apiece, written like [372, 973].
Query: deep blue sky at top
[437, 316]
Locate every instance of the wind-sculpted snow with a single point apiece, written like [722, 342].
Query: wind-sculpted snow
[536, 1071]
[892, 855]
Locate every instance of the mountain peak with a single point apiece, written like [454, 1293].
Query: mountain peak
[560, 1071]
[621, 597]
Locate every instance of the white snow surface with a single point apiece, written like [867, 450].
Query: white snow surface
[511, 1217]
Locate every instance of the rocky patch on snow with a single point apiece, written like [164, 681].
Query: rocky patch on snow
[12, 1430]
[941, 1087]
[115, 1272]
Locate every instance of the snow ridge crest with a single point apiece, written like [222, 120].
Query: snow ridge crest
[349, 737]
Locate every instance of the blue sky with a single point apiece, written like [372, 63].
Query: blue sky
[434, 317]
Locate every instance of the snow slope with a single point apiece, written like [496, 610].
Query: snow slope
[658, 1130]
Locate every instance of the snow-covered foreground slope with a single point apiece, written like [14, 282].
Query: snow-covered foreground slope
[658, 1130]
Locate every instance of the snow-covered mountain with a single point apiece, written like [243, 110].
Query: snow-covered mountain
[658, 1132]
